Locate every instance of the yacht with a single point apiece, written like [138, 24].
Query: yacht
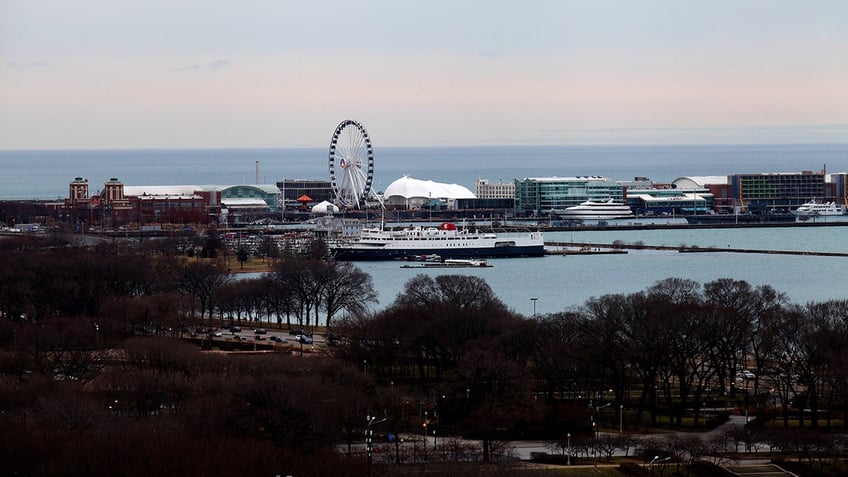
[819, 209]
[607, 209]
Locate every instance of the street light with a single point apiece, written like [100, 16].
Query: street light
[595, 410]
[370, 421]
[424, 433]
[568, 458]
[773, 408]
[434, 442]
[534, 305]
[620, 418]
[595, 446]
[651, 465]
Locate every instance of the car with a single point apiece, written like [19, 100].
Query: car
[303, 339]
[300, 331]
[278, 339]
[235, 329]
[744, 375]
[259, 337]
[216, 334]
[260, 331]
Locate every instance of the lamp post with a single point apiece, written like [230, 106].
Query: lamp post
[369, 433]
[655, 459]
[434, 443]
[595, 446]
[568, 457]
[424, 433]
[773, 408]
[620, 418]
[534, 304]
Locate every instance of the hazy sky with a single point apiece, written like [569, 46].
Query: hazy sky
[279, 73]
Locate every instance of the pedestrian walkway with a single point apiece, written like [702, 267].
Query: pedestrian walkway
[759, 469]
[523, 450]
[748, 466]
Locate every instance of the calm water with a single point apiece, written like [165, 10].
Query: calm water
[46, 174]
[561, 282]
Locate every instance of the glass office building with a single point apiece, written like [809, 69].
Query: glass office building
[543, 195]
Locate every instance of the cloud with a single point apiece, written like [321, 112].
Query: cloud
[215, 65]
[28, 64]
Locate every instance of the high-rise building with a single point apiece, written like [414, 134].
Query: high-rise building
[488, 190]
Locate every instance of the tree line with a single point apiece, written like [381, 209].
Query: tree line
[170, 283]
[89, 351]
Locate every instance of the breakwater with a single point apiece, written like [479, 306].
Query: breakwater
[582, 248]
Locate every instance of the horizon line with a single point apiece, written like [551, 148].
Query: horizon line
[467, 146]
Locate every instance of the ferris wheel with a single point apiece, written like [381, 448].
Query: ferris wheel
[351, 162]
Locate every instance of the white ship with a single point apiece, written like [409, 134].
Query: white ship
[819, 209]
[608, 209]
[448, 241]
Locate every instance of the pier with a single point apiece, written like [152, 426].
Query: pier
[597, 248]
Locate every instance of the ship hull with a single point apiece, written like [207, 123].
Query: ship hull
[357, 253]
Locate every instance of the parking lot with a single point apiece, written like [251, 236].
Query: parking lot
[243, 338]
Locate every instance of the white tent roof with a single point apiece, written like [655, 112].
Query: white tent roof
[409, 188]
[162, 190]
[695, 182]
[236, 202]
[324, 207]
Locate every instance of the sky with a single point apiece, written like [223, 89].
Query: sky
[124, 74]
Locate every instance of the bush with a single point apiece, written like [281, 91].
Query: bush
[632, 469]
[555, 459]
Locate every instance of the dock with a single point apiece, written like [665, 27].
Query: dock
[588, 250]
[452, 263]
[601, 249]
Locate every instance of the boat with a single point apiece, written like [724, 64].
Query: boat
[453, 263]
[814, 208]
[447, 241]
[471, 262]
[431, 258]
[591, 209]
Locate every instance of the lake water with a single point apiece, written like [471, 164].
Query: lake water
[562, 282]
[46, 174]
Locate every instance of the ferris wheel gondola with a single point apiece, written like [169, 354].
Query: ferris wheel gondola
[351, 162]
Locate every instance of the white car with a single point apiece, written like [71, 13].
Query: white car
[747, 374]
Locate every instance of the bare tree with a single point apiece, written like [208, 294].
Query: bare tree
[200, 281]
[302, 280]
[346, 288]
